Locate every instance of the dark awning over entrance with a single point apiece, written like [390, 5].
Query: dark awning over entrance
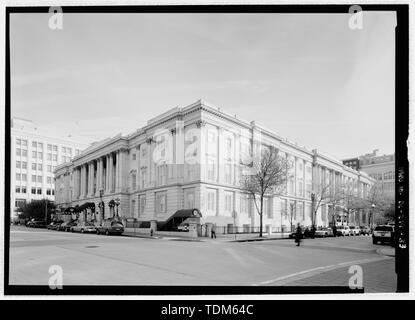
[86, 205]
[178, 217]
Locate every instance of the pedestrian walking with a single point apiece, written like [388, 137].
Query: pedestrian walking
[298, 235]
[334, 231]
[213, 232]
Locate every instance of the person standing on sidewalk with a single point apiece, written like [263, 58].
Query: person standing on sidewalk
[298, 235]
[213, 232]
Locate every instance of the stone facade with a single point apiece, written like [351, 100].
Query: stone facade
[190, 157]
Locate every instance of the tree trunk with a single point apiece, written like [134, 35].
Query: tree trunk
[260, 218]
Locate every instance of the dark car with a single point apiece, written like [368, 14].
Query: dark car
[384, 233]
[66, 226]
[54, 225]
[364, 230]
[110, 227]
[36, 224]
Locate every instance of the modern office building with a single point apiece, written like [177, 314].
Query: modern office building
[189, 158]
[379, 167]
[34, 157]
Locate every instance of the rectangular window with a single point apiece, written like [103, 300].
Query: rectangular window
[24, 177]
[229, 147]
[24, 143]
[55, 148]
[24, 153]
[49, 147]
[49, 168]
[33, 178]
[34, 166]
[24, 165]
[48, 192]
[49, 180]
[161, 202]
[18, 176]
[39, 166]
[34, 154]
[39, 179]
[23, 190]
[39, 191]
[211, 169]
[49, 156]
[143, 178]
[34, 144]
[211, 201]
[33, 191]
[300, 188]
[18, 142]
[55, 157]
[308, 190]
[63, 150]
[228, 173]
[40, 155]
[40, 145]
[142, 203]
[134, 156]
[18, 164]
[18, 152]
[134, 181]
[132, 214]
[189, 199]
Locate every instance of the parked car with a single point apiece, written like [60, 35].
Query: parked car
[343, 231]
[364, 230]
[66, 226]
[324, 232]
[354, 231]
[110, 227]
[54, 225]
[84, 227]
[383, 233]
[36, 224]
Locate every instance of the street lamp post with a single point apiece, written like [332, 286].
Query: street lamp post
[371, 215]
[117, 203]
[101, 204]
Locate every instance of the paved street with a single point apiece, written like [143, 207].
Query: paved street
[89, 259]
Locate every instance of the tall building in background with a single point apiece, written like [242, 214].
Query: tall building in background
[379, 167]
[34, 156]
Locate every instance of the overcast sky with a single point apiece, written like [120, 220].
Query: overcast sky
[308, 77]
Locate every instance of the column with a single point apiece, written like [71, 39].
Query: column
[117, 171]
[89, 179]
[107, 173]
[85, 180]
[81, 177]
[138, 176]
[98, 177]
[122, 175]
[111, 173]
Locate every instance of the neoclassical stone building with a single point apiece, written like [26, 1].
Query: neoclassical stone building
[190, 157]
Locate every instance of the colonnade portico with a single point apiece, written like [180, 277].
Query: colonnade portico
[103, 173]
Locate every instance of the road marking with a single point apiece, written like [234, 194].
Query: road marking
[325, 268]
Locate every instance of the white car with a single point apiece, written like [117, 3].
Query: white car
[354, 231]
[343, 231]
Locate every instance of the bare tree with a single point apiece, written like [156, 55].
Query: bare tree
[266, 176]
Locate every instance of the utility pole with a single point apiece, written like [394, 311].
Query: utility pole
[46, 211]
